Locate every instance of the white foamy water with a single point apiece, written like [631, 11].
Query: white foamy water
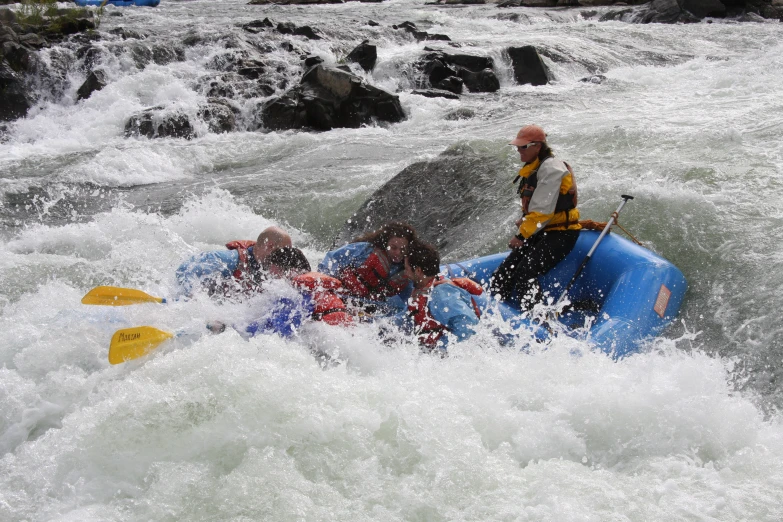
[214, 427]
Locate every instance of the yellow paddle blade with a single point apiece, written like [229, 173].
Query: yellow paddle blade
[116, 296]
[132, 343]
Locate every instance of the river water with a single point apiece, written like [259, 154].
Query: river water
[688, 121]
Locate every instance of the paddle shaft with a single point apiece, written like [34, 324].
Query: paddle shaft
[589, 255]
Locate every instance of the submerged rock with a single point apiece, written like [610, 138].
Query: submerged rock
[448, 200]
[436, 93]
[155, 122]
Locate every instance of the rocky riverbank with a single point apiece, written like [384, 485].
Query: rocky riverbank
[23, 33]
[249, 87]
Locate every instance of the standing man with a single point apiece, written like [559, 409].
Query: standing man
[549, 226]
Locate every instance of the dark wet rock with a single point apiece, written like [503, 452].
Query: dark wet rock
[7, 34]
[528, 3]
[192, 38]
[424, 35]
[156, 123]
[436, 93]
[252, 73]
[165, 54]
[481, 81]
[420, 36]
[67, 27]
[312, 60]
[288, 46]
[293, 2]
[256, 26]
[219, 116]
[596, 78]
[18, 57]
[144, 54]
[452, 84]
[95, 81]
[328, 98]
[669, 12]
[251, 69]
[15, 98]
[754, 18]
[463, 113]
[468, 61]
[141, 54]
[436, 70]
[51, 76]
[33, 40]
[704, 8]
[234, 86]
[365, 55]
[528, 66]
[408, 26]
[305, 30]
[127, 34]
[373, 23]
[444, 199]
[152, 123]
[285, 112]
[91, 57]
[475, 72]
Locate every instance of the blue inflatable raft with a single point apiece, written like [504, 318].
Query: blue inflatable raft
[628, 292]
[119, 3]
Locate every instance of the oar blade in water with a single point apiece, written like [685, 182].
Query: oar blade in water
[132, 343]
[116, 296]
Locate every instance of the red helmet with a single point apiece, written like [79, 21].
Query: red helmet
[529, 134]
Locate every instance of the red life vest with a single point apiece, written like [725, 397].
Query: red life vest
[329, 308]
[245, 278]
[427, 329]
[371, 278]
[241, 246]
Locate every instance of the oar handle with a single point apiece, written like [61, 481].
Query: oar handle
[612, 220]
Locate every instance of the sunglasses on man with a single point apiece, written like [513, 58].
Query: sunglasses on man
[520, 148]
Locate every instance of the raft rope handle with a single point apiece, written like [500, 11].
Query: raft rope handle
[617, 223]
[589, 224]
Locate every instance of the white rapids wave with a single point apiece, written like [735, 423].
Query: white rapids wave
[215, 427]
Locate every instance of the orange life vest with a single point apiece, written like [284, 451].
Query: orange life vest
[426, 327]
[329, 308]
[371, 278]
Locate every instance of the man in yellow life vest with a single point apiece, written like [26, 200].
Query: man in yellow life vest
[549, 226]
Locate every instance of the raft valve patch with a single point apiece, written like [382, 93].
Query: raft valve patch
[662, 301]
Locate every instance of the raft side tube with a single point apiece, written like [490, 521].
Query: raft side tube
[637, 293]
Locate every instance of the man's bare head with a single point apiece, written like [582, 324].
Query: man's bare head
[268, 240]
